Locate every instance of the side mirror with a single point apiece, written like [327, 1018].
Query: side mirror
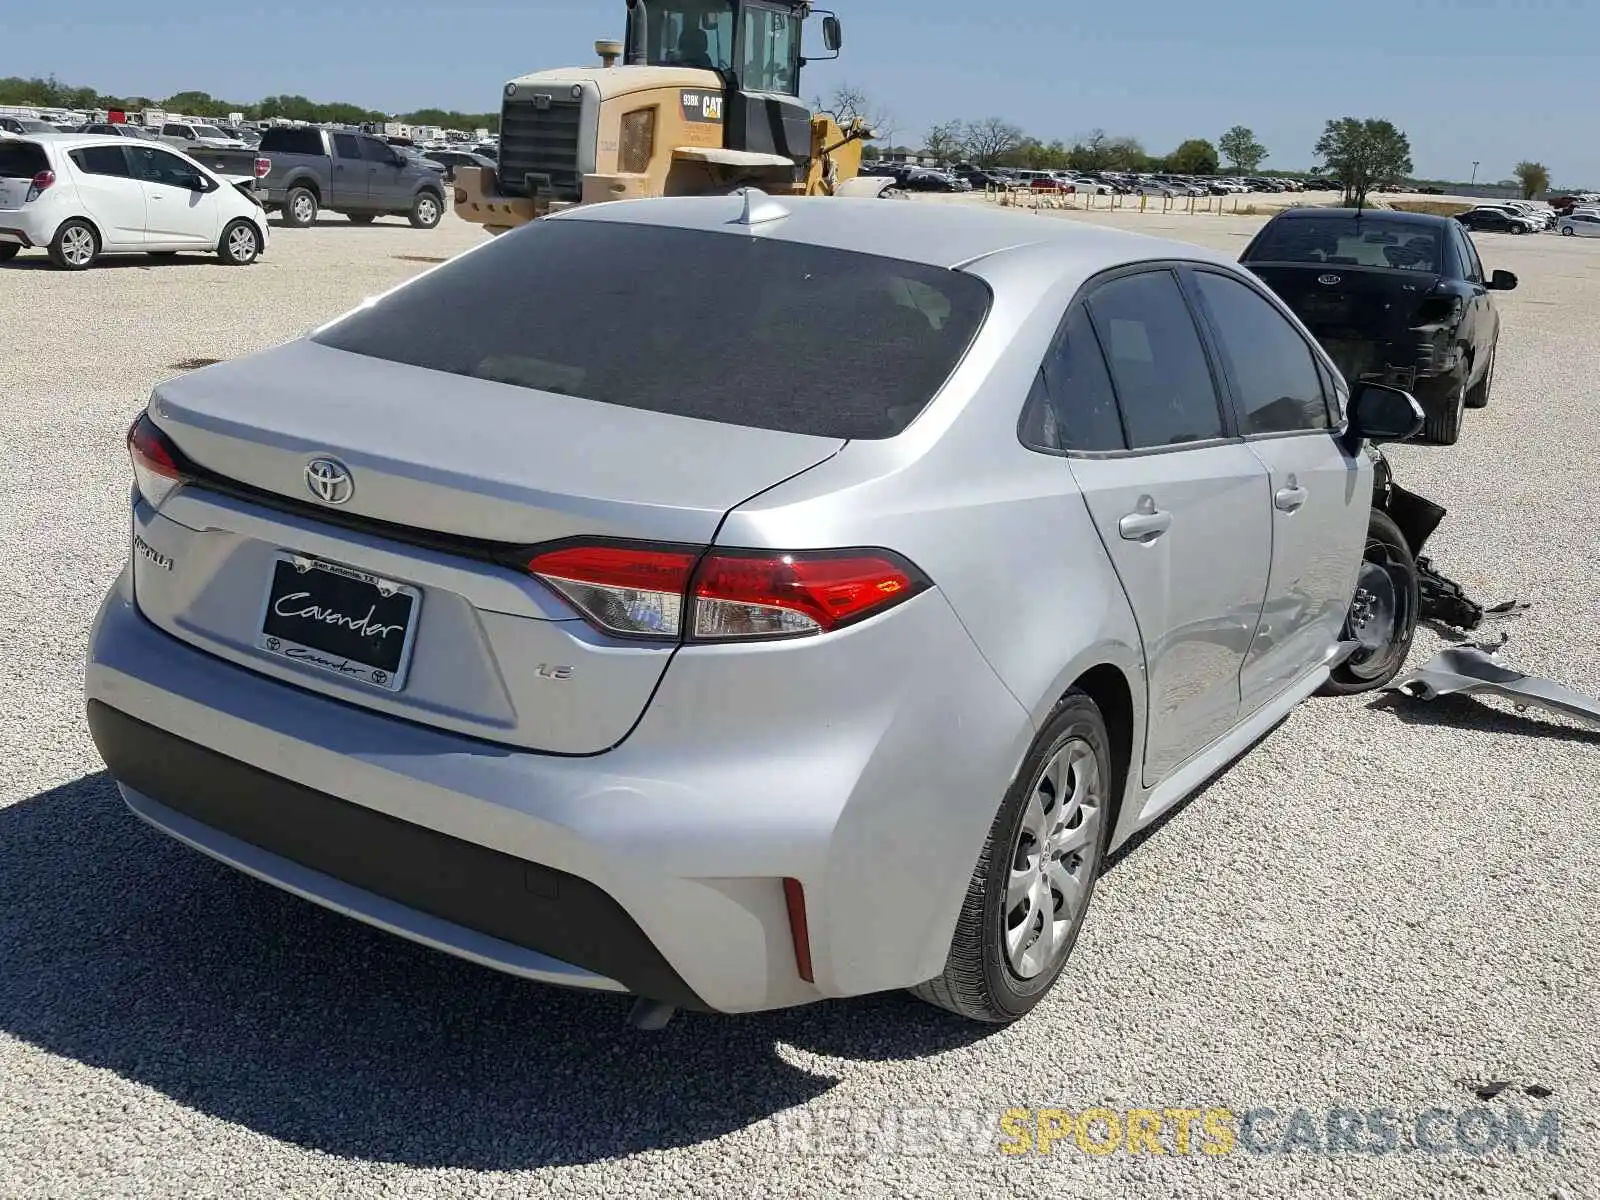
[1502, 281]
[1379, 413]
[832, 33]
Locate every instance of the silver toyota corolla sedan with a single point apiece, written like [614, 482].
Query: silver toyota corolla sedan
[739, 602]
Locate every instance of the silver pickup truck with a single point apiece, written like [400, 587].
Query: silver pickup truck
[345, 172]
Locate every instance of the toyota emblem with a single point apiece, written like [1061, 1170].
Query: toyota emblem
[329, 481]
[1330, 280]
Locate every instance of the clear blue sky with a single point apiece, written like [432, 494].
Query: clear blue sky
[1492, 80]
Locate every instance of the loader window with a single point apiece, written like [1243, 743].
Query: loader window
[689, 33]
[770, 51]
[716, 326]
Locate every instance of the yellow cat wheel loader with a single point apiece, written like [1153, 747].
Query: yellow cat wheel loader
[705, 101]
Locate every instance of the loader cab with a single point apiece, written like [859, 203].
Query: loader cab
[755, 45]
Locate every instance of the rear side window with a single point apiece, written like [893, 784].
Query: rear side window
[1073, 406]
[1275, 381]
[719, 326]
[21, 160]
[1157, 361]
[292, 141]
[102, 160]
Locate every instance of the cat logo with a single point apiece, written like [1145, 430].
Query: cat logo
[702, 106]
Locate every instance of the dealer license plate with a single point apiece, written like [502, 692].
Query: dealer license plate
[338, 619]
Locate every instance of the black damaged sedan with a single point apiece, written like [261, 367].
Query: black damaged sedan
[1394, 297]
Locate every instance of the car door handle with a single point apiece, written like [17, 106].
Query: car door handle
[1288, 499]
[1145, 525]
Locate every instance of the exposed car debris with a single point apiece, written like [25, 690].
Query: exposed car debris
[1467, 670]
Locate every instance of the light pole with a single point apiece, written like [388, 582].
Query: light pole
[1474, 182]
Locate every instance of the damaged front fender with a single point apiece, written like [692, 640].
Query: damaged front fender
[1467, 670]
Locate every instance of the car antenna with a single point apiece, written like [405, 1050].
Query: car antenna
[759, 208]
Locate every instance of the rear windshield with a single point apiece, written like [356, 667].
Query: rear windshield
[21, 160]
[292, 141]
[742, 330]
[1347, 242]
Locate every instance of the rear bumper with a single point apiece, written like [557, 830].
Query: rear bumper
[656, 867]
[18, 235]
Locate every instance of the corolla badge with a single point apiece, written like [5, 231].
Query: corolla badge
[1330, 280]
[329, 481]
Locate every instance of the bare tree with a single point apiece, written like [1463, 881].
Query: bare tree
[850, 103]
[989, 140]
[945, 141]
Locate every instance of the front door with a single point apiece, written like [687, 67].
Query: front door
[386, 186]
[1319, 496]
[1183, 513]
[180, 210]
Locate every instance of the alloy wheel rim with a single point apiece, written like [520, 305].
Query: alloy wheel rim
[242, 244]
[77, 246]
[302, 209]
[426, 211]
[1054, 859]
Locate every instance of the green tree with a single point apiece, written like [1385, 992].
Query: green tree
[1533, 178]
[1242, 150]
[1361, 154]
[1196, 156]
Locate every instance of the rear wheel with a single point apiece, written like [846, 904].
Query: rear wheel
[1442, 422]
[1031, 889]
[75, 246]
[1478, 396]
[426, 210]
[240, 244]
[1383, 612]
[299, 208]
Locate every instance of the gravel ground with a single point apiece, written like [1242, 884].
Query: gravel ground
[1382, 907]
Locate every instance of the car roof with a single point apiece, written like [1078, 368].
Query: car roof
[1355, 214]
[74, 141]
[939, 235]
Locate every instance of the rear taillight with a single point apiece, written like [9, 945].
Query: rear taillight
[157, 463]
[41, 183]
[263, 167]
[670, 592]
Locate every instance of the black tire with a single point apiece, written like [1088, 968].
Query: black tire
[76, 245]
[1478, 394]
[8, 251]
[361, 218]
[427, 210]
[1441, 423]
[1569, 231]
[1389, 579]
[240, 244]
[979, 980]
[300, 207]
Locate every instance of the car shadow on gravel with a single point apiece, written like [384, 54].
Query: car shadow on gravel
[120, 262]
[127, 951]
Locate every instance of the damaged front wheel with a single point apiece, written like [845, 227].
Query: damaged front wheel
[1383, 613]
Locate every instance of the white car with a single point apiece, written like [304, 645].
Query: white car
[81, 196]
[1580, 224]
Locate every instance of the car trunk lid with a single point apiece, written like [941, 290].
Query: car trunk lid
[404, 597]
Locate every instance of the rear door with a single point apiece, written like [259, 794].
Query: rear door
[386, 184]
[178, 212]
[1319, 504]
[350, 183]
[1183, 512]
[113, 197]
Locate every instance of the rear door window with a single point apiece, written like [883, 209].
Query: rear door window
[346, 145]
[1276, 387]
[102, 160]
[1157, 361]
[718, 326]
[1073, 406]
